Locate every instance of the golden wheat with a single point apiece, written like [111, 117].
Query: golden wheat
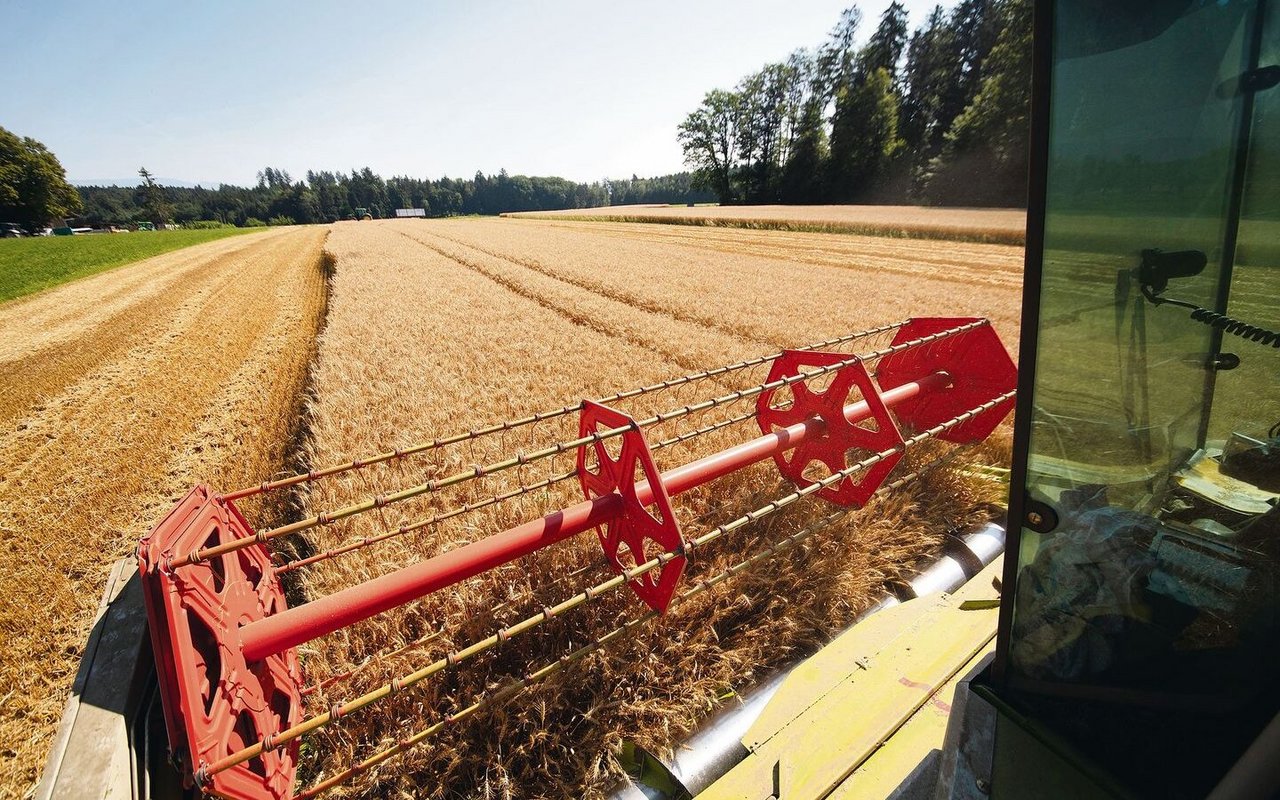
[995, 225]
[770, 287]
[436, 327]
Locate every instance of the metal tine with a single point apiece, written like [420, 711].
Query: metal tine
[560, 664]
[677, 438]
[481, 471]
[455, 658]
[353, 545]
[707, 514]
[553, 479]
[404, 452]
[427, 638]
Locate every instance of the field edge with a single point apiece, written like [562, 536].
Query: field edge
[11, 290]
[893, 231]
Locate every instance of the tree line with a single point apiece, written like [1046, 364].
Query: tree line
[938, 115]
[325, 196]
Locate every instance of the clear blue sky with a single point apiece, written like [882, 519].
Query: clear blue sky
[212, 92]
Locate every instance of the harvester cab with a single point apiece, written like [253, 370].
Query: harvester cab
[1139, 634]
[1137, 639]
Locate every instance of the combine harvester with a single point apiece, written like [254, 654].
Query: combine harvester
[1137, 636]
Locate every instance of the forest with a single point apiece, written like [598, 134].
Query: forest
[936, 116]
[330, 196]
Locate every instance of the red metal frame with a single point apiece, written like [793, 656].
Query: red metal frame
[215, 701]
[349, 606]
[603, 475]
[977, 362]
[842, 443]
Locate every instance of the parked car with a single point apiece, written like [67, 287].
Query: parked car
[12, 230]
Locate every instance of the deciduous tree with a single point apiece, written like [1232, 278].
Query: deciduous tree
[33, 185]
[709, 137]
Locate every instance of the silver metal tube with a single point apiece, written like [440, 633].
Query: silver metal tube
[945, 574]
[716, 747]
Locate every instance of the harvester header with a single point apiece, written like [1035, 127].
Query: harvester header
[836, 424]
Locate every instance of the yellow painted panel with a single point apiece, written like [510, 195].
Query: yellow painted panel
[837, 709]
[815, 677]
[893, 763]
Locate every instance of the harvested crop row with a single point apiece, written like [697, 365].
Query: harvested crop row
[424, 341]
[205, 387]
[1004, 226]
[684, 343]
[59, 336]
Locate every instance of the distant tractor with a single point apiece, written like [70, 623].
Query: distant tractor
[363, 213]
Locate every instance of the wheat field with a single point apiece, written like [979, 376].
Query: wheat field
[444, 326]
[236, 361]
[117, 393]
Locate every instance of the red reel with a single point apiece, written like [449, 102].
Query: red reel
[977, 363]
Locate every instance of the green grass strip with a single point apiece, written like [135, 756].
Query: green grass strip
[38, 263]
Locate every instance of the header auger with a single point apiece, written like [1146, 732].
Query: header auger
[836, 424]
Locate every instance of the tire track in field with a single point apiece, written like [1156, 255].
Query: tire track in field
[886, 259]
[873, 257]
[576, 316]
[742, 333]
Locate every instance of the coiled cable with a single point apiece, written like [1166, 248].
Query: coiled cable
[1222, 322]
